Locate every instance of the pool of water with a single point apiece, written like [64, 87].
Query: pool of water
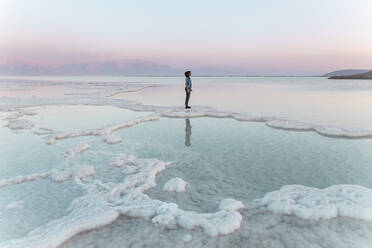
[80, 167]
[217, 158]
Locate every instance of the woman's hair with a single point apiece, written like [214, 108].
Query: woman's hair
[187, 73]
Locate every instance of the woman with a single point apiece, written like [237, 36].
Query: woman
[188, 88]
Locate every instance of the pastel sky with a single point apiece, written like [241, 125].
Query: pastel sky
[253, 36]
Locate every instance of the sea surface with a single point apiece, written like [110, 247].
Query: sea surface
[118, 162]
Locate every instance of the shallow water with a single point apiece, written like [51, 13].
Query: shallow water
[66, 204]
[316, 100]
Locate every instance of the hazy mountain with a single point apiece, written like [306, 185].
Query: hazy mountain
[18, 67]
[114, 68]
[366, 75]
[345, 72]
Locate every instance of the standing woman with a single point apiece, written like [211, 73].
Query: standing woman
[188, 88]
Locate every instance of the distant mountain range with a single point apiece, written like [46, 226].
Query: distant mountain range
[345, 72]
[112, 68]
[15, 67]
[365, 75]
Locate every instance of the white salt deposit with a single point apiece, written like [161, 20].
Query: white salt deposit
[74, 151]
[104, 203]
[311, 203]
[217, 114]
[123, 160]
[40, 132]
[176, 185]
[185, 114]
[187, 238]
[20, 124]
[340, 132]
[77, 172]
[290, 125]
[219, 223]
[111, 139]
[230, 205]
[105, 132]
[15, 205]
[246, 117]
[22, 179]
[16, 122]
[46, 129]
[43, 131]
[25, 111]
[326, 130]
[270, 121]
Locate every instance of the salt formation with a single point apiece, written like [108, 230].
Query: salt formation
[246, 117]
[104, 132]
[111, 139]
[217, 114]
[77, 172]
[20, 124]
[187, 238]
[213, 224]
[73, 152]
[191, 114]
[270, 121]
[123, 160]
[22, 179]
[326, 130]
[290, 125]
[15, 205]
[16, 122]
[43, 131]
[332, 131]
[105, 202]
[103, 92]
[126, 162]
[311, 203]
[230, 204]
[176, 185]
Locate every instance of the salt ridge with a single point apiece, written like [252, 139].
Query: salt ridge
[15, 121]
[270, 121]
[311, 203]
[104, 203]
[180, 112]
[74, 151]
[104, 132]
[176, 185]
[77, 172]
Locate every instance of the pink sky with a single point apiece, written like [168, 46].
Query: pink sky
[264, 36]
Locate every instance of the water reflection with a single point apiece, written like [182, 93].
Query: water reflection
[187, 133]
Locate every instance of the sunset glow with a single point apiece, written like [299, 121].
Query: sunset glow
[248, 37]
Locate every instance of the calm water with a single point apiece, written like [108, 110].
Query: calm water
[218, 158]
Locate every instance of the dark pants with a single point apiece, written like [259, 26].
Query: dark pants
[187, 98]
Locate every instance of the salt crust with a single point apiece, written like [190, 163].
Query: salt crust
[311, 203]
[105, 202]
[104, 132]
[176, 185]
[74, 151]
[77, 173]
[16, 122]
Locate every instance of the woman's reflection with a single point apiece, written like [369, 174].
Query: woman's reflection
[187, 133]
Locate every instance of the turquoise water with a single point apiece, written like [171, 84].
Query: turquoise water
[218, 158]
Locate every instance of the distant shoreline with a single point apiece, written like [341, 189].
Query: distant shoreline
[155, 76]
[360, 76]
